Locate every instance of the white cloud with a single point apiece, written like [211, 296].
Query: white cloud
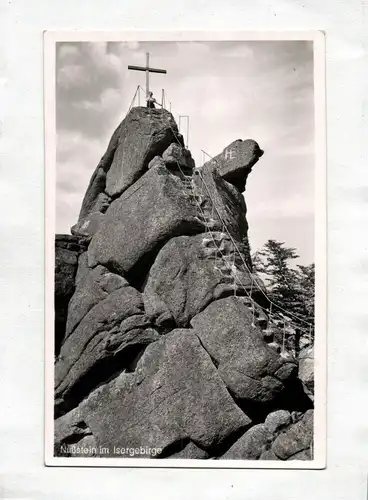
[109, 99]
[230, 90]
[72, 75]
[292, 205]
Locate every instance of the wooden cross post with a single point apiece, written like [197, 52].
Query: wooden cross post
[148, 70]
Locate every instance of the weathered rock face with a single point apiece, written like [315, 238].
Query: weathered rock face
[175, 397]
[306, 371]
[93, 287]
[287, 441]
[88, 226]
[152, 131]
[141, 136]
[67, 250]
[176, 155]
[235, 162]
[252, 371]
[296, 441]
[222, 204]
[107, 332]
[97, 184]
[163, 343]
[189, 273]
[138, 223]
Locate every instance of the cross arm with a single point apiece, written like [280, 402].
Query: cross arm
[151, 70]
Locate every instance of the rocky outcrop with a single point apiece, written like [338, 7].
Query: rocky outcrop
[252, 371]
[153, 132]
[109, 335]
[296, 441]
[175, 397]
[124, 162]
[89, 225]
[189, 273]
[177, 155]
[164, 345]
[223, 206]
[287, 440]
[67, 251]
[235, 162]
[141, 220]
[306, 371]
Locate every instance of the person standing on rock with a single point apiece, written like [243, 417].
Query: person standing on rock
[151, 101]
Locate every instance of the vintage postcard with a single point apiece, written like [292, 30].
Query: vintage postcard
[185, 249]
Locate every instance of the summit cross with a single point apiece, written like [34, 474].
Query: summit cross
[148, 70]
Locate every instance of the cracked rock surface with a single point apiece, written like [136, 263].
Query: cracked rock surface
[160, 331]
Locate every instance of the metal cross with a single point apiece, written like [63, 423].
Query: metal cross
[148, 70]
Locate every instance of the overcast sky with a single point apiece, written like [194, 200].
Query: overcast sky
[231, 90]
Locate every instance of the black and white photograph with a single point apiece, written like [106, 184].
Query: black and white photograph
[185, 250]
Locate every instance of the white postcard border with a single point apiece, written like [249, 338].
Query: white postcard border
[50, 39]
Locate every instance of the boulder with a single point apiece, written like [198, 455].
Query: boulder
[176, 155]
[268, 455]
[141, 136]
[306, 371]
[251, 445]
[252, 371]
[295, 439]
[189, 273]
[174, 396]
[96, 198]
[70, 434]
[153, 210]
[109, 337]
[93, 287]
[67, 251]
[277, 420]
[191, 451]
[275, 439]
[83, 268]
[144, 133]
[222, 204]
[157, 160]
[235, 162]
[88, 226]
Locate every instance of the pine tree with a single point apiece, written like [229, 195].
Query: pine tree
[291, 290]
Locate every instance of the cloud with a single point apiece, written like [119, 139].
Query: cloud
[261, 90]
[72, 75]
[108, 100]
[84, 73]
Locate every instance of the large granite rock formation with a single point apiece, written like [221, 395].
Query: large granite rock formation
[161, 334]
